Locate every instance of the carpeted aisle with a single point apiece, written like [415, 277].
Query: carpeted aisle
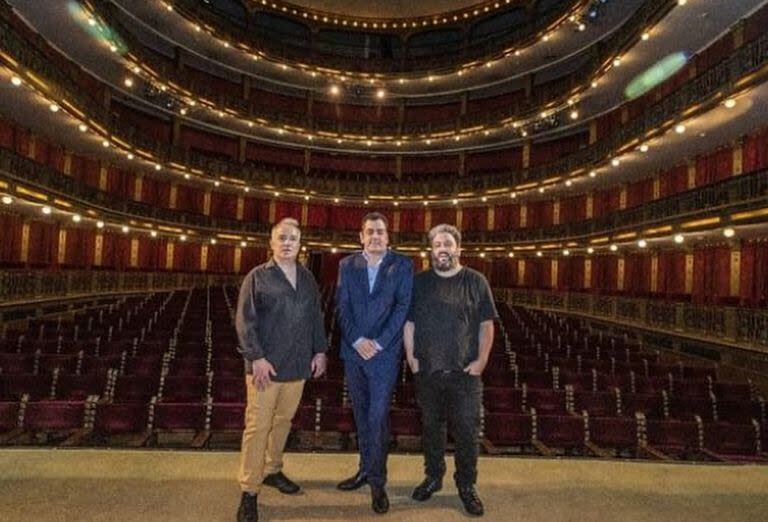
[47, 485]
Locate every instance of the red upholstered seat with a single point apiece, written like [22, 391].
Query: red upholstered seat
[135, 388]
[79, 387]
[187, 367]
[685, 408]
[503, 400]
[738, 412]
[229, 389]
[508, 429]
[305, 418]
[14, 386]
[597, 404]
[43, 416]
[652, 406]
[405, 422]
[227, 367]
[546, 402]
[735, 440]
[9, 415]
[730, 391]
[118, 418]
[329, 391]
[560, 431]
[674, 437]
[14, 363]
[184, 389]
[179, 416]
[336, 418]
[613, 432]
[228, 416]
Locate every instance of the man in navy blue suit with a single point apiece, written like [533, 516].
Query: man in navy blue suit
[372, 300]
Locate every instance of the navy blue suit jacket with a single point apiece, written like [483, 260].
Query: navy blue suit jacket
[378, 315]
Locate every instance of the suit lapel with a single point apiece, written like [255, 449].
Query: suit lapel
[361, 274]
[381, 274]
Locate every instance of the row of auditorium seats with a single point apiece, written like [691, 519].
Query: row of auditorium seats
[164, 367]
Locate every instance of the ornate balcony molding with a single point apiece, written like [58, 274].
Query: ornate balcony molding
[737, 194]
[271, 46]
[739, 69]
[528, 108]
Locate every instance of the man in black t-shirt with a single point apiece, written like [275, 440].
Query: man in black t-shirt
[447, 338]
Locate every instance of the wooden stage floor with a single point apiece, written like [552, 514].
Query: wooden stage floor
[47, 485]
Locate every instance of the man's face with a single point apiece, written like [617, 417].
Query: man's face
[285, 242]
[374, 237]
[445, 252]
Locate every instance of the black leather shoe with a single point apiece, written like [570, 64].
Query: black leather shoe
[472, 503]
[282, 483]
[427, 488]
[379, 500]
[357, 481]
[248, 510]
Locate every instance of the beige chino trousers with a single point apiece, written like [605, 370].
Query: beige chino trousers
[268, 416]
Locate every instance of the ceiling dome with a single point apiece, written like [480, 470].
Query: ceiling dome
[393, 9]
[380, 37]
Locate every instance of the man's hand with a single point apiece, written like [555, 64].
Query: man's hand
[263, 371]
[475, 368]
[319, 364]
[413, 364]
[366, 348]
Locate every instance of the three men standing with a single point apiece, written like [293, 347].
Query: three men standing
[372, 300]
[444, 318]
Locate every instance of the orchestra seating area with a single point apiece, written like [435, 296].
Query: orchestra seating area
[162, 370]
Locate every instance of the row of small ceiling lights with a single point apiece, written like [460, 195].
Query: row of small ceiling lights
[333, 19]
[546, 119]
[522, 129]
[578, 20]
[47, 210]
[528, 189]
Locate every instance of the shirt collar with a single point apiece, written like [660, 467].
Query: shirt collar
[368, 258]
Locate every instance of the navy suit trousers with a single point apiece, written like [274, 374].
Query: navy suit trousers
[371, 384]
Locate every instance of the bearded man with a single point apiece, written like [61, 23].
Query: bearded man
[447, 337]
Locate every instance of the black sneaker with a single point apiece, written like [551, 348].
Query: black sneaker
[472, 503]
[282, 483]
[427, 488]
[248, 510]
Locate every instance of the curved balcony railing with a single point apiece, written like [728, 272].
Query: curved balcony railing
[741, 63]
[543, 95]
[745, 327]
[349, 58]
[737, 194]
[32, 285]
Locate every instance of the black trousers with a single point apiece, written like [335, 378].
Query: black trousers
[450, 400]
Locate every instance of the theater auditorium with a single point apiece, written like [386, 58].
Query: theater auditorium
[606, 162]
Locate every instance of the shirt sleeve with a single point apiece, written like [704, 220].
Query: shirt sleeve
[319, 339]
[486, 306]
[247, 320]
[411, 315]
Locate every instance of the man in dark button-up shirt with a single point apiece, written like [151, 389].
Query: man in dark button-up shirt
[279, 324]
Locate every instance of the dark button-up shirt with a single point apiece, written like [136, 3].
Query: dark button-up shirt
[280, 323]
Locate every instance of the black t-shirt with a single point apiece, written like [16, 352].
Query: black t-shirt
[447, 312]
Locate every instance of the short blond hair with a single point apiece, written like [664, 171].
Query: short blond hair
[285, 221]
